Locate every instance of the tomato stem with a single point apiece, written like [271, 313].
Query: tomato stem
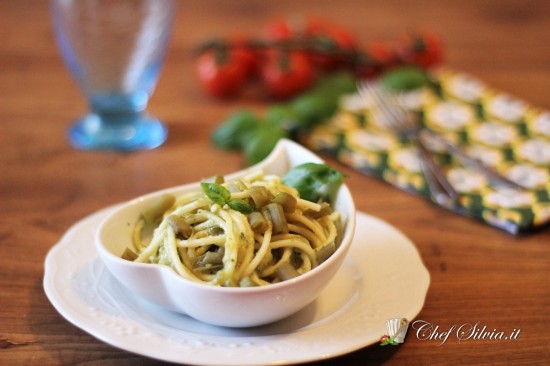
[314, 45]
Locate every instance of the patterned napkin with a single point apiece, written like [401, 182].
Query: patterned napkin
[506, 133]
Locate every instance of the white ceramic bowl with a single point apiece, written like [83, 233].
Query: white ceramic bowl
[224, 306]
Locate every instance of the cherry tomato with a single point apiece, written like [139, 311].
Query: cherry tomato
[222, 72]
[383, 54]
[384, 339]
[330, 40]
[376, 58]
[365, 66]
[251, 57]
[286, 73]
[420, 49]
[278, 30]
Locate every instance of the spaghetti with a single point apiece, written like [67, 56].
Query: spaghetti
[251, 231]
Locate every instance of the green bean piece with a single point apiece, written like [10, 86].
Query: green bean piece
[215, 230]
[257, 222]
[158, 207]
[278, 218]
[324, 211]
[288, 201]
[211, 258]
[260, 195]
[180, 226]
[286, 271]
[209, 268]
[129, 255]
[326, 252]
[235, 186]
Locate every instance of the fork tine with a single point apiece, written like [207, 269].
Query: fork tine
[397, 117]
[400, 120]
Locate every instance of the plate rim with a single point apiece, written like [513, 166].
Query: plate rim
[65, 243]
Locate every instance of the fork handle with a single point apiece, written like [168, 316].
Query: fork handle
[471, 161]
[441, 189]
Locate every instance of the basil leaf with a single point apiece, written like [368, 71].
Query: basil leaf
[235, 131]
[240, 205]
[216, 193]
[262, 142]
[404, 79]
[320, 102]
[314, 181]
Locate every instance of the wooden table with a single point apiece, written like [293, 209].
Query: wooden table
[477, 273]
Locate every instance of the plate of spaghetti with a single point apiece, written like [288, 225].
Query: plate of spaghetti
[241, 250]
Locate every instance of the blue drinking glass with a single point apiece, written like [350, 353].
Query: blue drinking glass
[115, 50]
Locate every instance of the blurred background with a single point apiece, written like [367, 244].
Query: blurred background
[512, 34]
[46, 185]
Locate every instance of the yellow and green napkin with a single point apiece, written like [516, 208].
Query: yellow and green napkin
[506, 133]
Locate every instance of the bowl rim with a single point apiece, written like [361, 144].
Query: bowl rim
[282, 146]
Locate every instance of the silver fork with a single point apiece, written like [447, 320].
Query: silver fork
[395, 117]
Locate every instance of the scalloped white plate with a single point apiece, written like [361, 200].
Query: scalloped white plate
[383, 277]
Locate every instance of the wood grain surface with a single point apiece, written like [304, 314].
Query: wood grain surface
[477, 273]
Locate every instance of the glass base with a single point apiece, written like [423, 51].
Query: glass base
[94, 132]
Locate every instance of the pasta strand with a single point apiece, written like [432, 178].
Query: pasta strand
[210, 242]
